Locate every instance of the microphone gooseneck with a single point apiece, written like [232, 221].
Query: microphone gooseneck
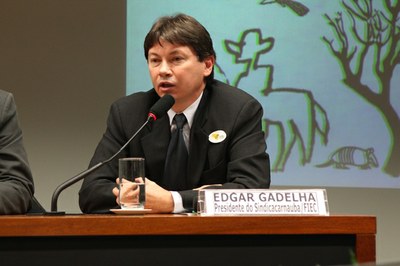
[158, 110]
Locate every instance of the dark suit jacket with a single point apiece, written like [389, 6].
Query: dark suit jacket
[16, 184]
[240, 161]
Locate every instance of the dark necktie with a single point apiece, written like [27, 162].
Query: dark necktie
[177, 156]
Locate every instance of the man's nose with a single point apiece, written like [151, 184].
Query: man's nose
[165, 68]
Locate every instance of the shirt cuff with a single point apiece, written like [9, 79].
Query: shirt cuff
[178, 203]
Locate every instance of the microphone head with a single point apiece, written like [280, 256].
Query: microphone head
[161, 107]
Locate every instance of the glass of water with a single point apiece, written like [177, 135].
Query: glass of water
[132, 193]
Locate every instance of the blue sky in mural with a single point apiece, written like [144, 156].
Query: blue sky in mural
[305, 86]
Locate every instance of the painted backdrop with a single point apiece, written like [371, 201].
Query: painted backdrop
[326, 73]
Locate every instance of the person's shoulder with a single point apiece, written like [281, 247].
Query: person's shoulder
[137, 98]
[137, 102]
[4, 93]
[5, 96]
[225, 90]
[7, 105]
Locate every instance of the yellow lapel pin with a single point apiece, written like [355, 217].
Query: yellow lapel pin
[217, 136]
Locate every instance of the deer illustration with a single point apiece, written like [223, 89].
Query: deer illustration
[294, 112]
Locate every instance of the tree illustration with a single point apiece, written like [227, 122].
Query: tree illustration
[371, 32]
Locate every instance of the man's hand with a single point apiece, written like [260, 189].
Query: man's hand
[158, 199]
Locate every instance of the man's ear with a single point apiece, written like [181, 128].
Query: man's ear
[209, 64]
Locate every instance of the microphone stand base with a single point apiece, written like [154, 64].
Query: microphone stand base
[54, 213]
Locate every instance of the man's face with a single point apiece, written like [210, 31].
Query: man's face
[176, 70]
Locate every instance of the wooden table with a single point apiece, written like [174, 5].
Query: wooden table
[179, 239]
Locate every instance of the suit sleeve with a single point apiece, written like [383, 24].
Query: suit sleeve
[16, 182]
[126, 116]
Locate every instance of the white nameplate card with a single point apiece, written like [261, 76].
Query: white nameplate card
[263, 202]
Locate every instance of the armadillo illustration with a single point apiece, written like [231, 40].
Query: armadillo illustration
[354, 156]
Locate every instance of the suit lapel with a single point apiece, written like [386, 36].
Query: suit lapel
[199, 143]
[197, 157]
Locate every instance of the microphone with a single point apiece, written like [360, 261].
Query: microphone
[158, 110]
[161, 107]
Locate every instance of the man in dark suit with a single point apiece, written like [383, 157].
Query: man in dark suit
[223, 135]
[16, 183]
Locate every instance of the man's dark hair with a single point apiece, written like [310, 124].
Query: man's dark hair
[181, 29]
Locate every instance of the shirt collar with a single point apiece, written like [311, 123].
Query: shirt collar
[188, 112]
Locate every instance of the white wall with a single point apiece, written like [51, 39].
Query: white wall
[64, 62]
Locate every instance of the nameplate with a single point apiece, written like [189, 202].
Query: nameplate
[263, 202]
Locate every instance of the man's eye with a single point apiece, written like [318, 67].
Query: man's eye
[177, 59]
[154, 61]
